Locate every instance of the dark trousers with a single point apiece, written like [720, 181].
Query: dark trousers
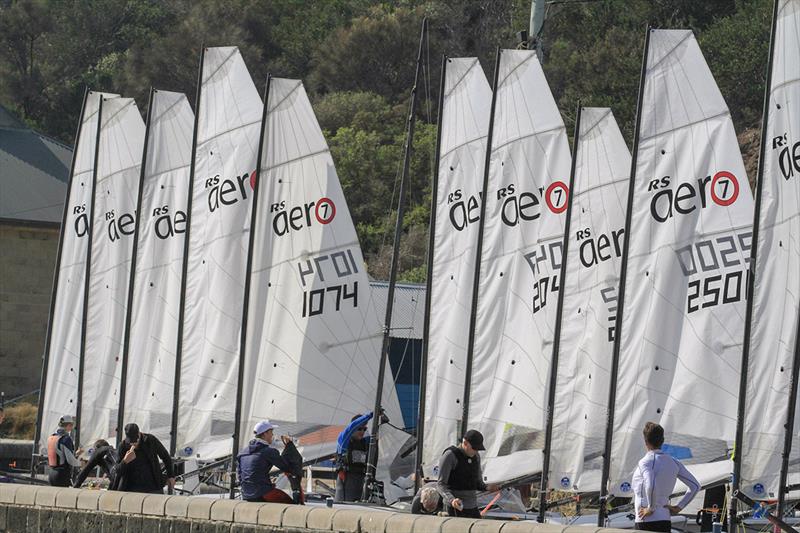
[60, 477]
[349, 489]
[662, 526]
[466, 513]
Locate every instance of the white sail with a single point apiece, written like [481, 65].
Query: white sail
[465, 124]
[64, 331]
[155, 301]
[526, 200]
[228, 116]
[116, 189]
[313, 339]
[594, 259]
[776, 293]
[691, 230]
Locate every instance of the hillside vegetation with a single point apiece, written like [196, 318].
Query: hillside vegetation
[357, 59]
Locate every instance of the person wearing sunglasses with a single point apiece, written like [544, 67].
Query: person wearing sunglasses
[352, 448]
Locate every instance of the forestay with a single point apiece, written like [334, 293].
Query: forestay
[526, 200]
[683, 312]
[464, 126]
[313, 338]
[594, 259]
[776, 291]
[60, 393]
[155, 302]
[116, 189]
[228, 118]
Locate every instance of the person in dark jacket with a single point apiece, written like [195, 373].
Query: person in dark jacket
[103, 456]
[427, 501]
[256, 460]
[140, 470]
[352, 448]
[61, 453]
[460, 476]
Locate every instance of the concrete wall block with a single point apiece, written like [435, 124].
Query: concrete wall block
[88, 499]
[458, 525]
[180, 525]
[133, 524]
[400, 523]
[58, 520]
[295, 516]
[200, 508]
[7, 492]
[26, 494]
[529, 527]
[177, 506]
[270, 514]
[3, 509]
[154, 504]
[224, 509]
[247, 513]
[152, 524]
[429, 524]
[16, 518]
[114, 522]
[321, 518]
[488, 526]
[67, 498]
[374, 522]
[246, 528]
[132, 503]
[110, 501]
[347, 520]
[46, 496]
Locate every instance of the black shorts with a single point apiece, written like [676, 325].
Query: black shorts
[662, 526]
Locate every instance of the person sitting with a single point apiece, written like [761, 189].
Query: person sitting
[139, 470]
[103, 456]
[427, 501]
[255, 461]
[61, 453]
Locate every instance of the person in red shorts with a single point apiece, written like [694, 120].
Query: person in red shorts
[255, 462]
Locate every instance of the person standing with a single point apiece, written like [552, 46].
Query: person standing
[61, 453]
[352, 449]
[653, 483]
[255, 462]
[140, 470]
[103, 456]
[460, 476]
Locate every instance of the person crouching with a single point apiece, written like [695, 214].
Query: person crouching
[256, 460]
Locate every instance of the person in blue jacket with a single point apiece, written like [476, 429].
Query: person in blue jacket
[255, 462]
[352, 448]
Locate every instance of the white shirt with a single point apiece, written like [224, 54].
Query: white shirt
[654, 480]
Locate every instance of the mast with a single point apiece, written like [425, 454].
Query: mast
[428, 283]
[612, 391]
[398, 230]
[478, 252]
[783, 488]
[86, 277]
[551, 394]
[243, 334]
[126, 338]
[742, 404]
[181, 311]
[54, 295]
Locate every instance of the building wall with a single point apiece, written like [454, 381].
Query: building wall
[27, 259]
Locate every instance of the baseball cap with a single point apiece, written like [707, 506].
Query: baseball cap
[263, 426]
[132, 432]
[66, 419]
[475, 438]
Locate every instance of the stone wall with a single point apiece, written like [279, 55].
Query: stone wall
[26, 508]
[27, 261]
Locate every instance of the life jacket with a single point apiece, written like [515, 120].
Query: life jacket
[356, 458]
[467, 473]
[55, 457]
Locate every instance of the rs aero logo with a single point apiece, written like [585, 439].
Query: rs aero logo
[788, 155]
[527, 206]
[81, 220]
[226, 191]
[119, 227]
[721, 189]
[295, 218]
[168, 224]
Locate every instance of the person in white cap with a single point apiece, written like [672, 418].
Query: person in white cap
[254, 463]
[61, 453]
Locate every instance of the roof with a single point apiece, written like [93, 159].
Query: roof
[34, 170]
[408, 313]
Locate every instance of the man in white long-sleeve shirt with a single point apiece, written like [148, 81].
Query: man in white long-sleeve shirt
[653, 483]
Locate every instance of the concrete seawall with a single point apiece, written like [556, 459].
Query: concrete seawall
[29, 508]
